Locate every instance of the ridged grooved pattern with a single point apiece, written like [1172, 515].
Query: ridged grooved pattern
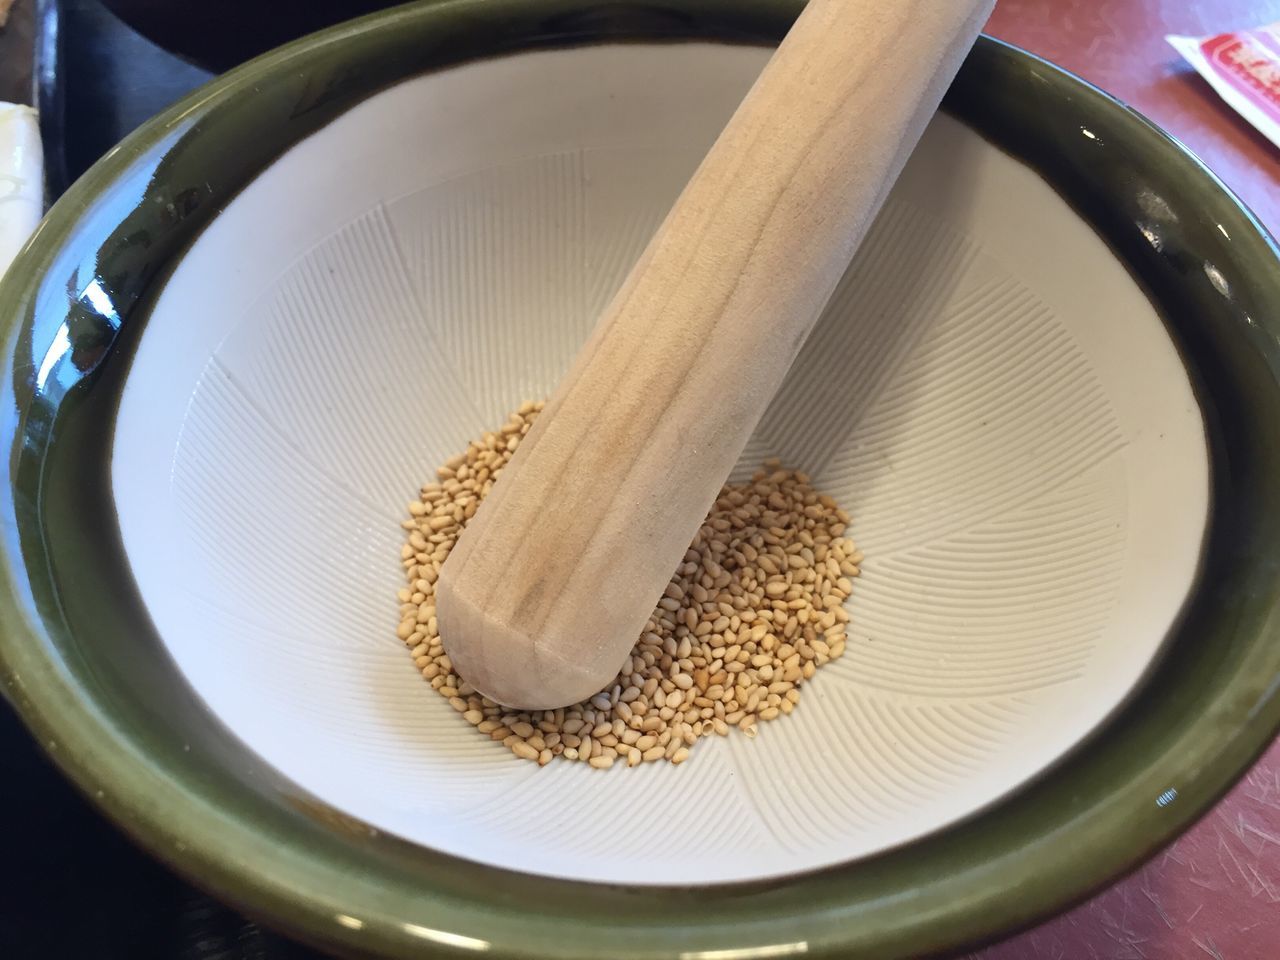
[885, 309]
[510, 320]
[342, 312]
[990, 616]
[925, 434]
[991, 566]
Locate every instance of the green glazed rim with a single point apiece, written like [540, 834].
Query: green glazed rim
[83, 665]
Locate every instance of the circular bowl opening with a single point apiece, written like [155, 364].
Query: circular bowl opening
[1030, 505]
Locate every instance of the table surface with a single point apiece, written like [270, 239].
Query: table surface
[1215, 893]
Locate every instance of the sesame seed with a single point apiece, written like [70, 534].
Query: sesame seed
[754, 610]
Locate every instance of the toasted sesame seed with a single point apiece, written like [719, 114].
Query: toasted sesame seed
[523, 750]
[755, 608]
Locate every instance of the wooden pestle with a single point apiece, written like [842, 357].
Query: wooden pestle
[552, 581]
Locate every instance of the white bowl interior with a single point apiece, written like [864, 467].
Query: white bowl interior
[989, 394]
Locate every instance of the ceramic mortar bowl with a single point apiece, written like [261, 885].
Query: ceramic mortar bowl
[1046, 390]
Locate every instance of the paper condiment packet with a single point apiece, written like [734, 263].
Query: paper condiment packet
[1244, 68]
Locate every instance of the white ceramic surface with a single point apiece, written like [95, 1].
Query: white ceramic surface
[989, 394]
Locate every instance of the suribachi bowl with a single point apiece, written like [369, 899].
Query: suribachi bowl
[241, 341]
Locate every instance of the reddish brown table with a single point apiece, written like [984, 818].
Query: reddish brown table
[1215, 893]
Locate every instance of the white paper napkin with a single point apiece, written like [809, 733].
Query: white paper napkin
[21, 179]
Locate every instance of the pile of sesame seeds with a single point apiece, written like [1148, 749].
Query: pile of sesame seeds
[753, 611]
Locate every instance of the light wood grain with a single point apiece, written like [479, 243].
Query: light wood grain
[553, 580]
